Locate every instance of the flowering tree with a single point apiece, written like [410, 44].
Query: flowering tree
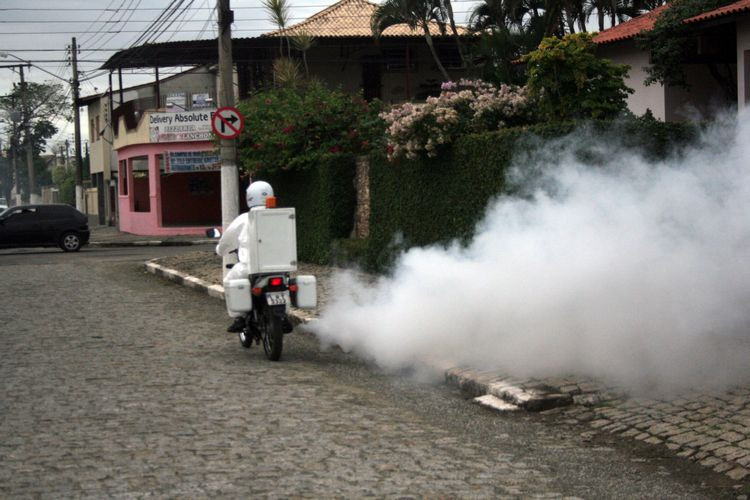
[292, 127]
[468, 106]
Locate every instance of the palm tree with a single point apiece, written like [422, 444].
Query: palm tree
[278, 10]
[415, 14]
[303, 42]
[447, 8]
[601, 7]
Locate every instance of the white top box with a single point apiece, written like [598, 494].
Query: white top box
[272, 240]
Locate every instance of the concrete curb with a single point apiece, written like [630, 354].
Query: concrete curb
[479, 385]
[149, 243]
[215, 291]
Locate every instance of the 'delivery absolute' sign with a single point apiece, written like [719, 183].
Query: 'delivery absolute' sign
[183, 126]
[192, 161]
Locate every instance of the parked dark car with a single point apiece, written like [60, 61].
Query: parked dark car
[44, 226]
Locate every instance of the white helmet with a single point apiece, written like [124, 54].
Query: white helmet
[257, 192]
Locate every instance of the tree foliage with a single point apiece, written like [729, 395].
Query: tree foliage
[416, 14]
[44, 103]
[65, 180]
[671, 41]
[293, 127]
[570, 81]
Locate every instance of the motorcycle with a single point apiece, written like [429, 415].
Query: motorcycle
[263, 300]
[268, 320]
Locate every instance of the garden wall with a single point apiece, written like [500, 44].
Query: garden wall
[324, 198]
[428, 201]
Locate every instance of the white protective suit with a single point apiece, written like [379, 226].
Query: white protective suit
[237, 234]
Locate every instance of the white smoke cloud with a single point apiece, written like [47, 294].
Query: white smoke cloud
[635, 273]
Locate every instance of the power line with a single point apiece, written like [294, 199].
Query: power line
[66, 49]
[234, 30]
[98, 34]
[105, 40]
[192, 20]
[64, 60]
[83, 9]
[95, 21]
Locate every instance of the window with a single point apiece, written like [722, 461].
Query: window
[123, 175]
[56, 212]
[399, 59]
[22, 214]
[141, 189]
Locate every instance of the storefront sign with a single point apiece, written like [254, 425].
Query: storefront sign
[192, 161]
[176, 102]
[184, 126]
[202, 100]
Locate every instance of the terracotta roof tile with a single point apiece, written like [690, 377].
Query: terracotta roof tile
[350, 18]
[727, 10]
[630, 29]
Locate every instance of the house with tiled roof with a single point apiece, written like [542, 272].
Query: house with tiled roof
[717, 68]
[395, 67]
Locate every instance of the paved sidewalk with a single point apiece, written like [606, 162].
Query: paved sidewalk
[109, 236]
[710, 429]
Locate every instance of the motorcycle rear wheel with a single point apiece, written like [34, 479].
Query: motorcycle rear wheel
[273, 337]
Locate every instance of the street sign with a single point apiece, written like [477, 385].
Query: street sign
[227, 122]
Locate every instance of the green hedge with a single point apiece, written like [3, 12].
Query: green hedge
[429, 201]
[325, 200]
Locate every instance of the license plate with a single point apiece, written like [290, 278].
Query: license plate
[277, 298]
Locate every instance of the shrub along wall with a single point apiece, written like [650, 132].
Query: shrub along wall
[428, 201]
[324, 197]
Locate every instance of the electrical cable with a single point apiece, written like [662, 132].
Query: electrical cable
[91, 25]
[113, 35]
[100, 34]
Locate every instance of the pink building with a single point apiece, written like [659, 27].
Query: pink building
[168, 172]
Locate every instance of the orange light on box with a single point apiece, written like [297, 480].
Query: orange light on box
[271, 202]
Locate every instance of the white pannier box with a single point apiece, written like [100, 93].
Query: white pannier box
[272, 240]
[238, 295]
[307, 293]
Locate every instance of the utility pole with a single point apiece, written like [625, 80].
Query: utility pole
[33, 197]
[14, 149]
[77, 128]
[230, 206]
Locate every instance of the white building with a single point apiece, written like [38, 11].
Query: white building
[718, 62]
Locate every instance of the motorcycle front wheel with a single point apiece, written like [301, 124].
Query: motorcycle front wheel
[273, 337]
[246, 338]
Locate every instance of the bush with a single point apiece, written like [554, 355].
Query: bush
[571, 82]
[324, 198]
[293, 128]
[423, 202]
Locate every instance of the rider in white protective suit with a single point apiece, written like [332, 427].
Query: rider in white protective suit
[236, 238]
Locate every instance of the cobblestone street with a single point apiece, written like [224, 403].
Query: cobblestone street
[114, 383]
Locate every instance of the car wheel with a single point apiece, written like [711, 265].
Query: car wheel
[70, 242]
